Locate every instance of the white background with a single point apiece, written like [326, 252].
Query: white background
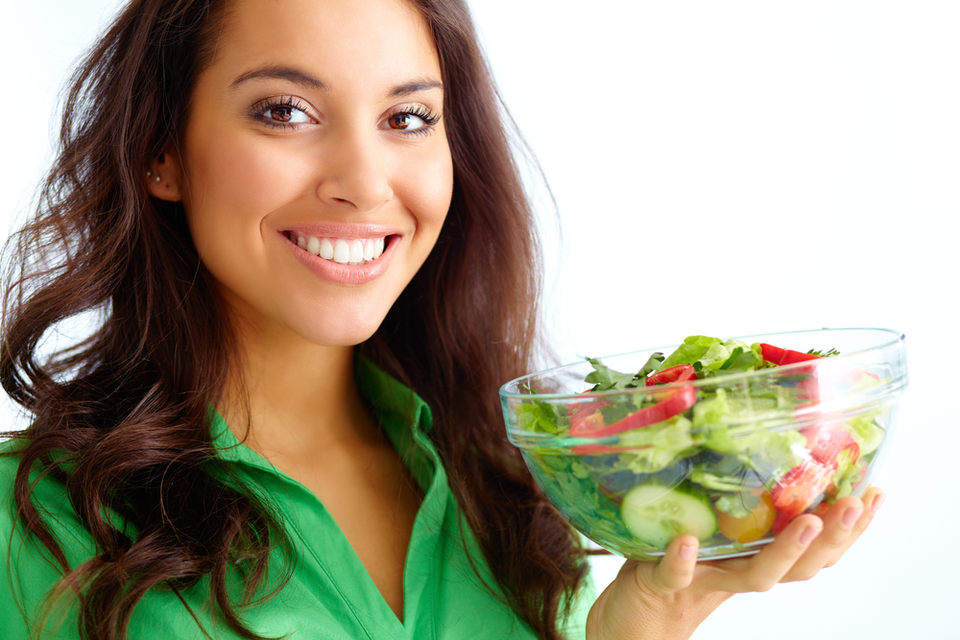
[723, 168]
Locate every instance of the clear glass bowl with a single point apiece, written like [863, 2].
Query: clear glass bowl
[747, 453]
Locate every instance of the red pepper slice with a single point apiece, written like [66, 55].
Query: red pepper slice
[781, 357]
[600, 449]
[587, 420]
[858, 375]
[678, 373]
[673, 402]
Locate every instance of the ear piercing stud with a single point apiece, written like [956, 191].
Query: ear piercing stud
[156, 178]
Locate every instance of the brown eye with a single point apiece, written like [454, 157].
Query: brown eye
[414, 120]
[281, 114]
[406, 121]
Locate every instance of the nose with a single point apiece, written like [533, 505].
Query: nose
[355, 172]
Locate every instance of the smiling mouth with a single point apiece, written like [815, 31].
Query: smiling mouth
[350, 251]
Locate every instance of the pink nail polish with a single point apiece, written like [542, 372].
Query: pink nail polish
[808, 535]
[877, 503]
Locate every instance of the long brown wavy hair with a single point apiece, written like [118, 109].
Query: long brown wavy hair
[120, 417]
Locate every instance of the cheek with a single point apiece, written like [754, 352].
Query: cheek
[427, 188]
[238, 179]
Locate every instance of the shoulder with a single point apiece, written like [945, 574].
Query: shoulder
[27, 569]
[9, 463]
[50, 497]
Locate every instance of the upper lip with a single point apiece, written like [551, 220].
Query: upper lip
[343, 230]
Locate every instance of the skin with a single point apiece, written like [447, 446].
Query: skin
[669, 600]
[247, 173]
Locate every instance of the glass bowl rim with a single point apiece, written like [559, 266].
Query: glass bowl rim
[895, 338]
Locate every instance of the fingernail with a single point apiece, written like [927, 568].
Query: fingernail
[850, 516]
[687, 551]
[808, 535]
[877, 503]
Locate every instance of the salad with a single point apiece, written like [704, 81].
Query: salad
[685, 445]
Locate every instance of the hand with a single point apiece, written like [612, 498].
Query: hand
[669, 599]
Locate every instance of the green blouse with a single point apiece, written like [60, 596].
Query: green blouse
[330, 594]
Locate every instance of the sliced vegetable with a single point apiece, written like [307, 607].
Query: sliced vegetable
[796, 491]
[729, 463]
[671, 403]
[656, 514]
[825, 441]
[679, 373]
[782, 357]
[586, 416]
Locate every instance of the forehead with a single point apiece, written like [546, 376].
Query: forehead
[361, 43]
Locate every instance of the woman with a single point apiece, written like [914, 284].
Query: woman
[288, 215]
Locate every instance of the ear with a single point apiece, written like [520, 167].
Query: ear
[164, 177]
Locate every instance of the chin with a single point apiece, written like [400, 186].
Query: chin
[341, 329]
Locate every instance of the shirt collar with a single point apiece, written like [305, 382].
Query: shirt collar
[404, 416]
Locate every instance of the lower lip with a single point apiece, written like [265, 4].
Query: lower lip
[346, 274]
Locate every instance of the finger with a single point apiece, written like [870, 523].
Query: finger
[843, 524]
[764, 570]
[675, 570]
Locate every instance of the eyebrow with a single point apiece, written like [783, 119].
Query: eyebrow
[415, 87]
[283, 73]
[303, 78]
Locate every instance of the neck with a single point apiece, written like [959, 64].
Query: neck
[294, 397]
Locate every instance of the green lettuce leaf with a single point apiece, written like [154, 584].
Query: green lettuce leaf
[866, 432]
[713, 418]
[712, 356]
[849, 472]
[658, 446]
[540, 417]
[716, 482]
[606, 378]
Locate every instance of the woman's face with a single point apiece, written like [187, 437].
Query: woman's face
[315, 171]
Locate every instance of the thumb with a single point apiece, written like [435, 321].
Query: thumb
[675, 570]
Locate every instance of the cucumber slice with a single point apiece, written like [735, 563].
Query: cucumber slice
[656, 514]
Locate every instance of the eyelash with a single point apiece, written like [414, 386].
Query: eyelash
[430, 119]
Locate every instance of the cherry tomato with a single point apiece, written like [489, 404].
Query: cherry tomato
[810, 387]
[798, 489]
[752, 527]
[586, 416]
[825, 441]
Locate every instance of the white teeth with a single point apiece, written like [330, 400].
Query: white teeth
[356, 252]
[326, 249]
[341, 252]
